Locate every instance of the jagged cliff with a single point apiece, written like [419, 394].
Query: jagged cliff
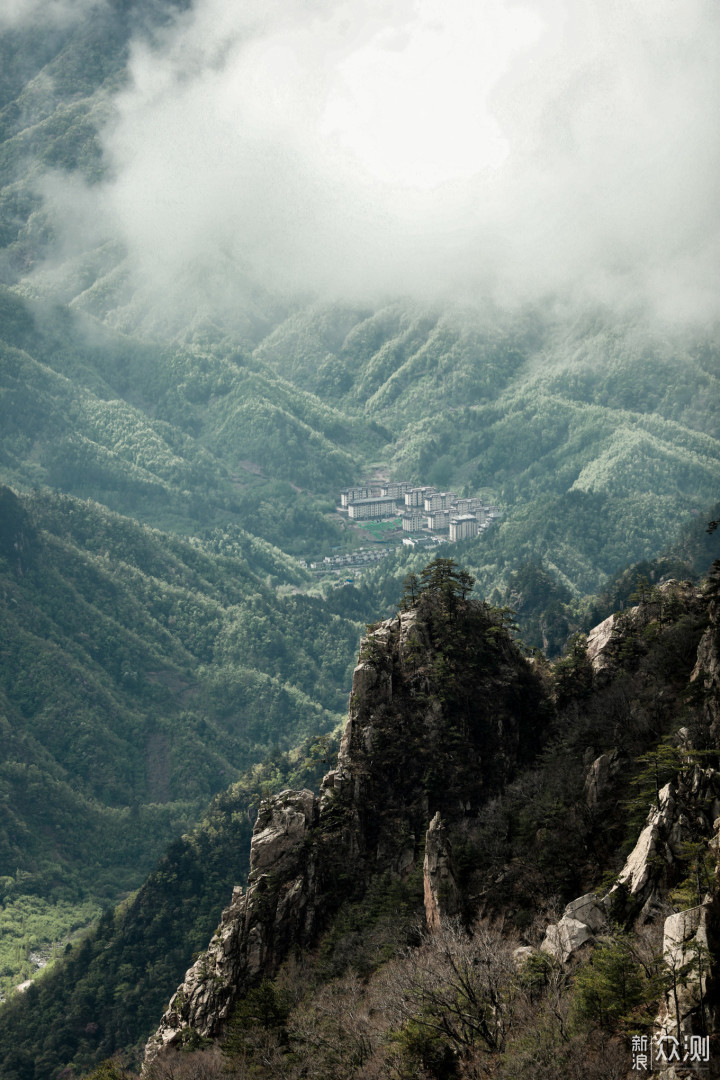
[443, 709]
[445, 725]
[683, 826]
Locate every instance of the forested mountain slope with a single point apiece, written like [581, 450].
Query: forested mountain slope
[112, 985]
[598, 437]
[174, 435]
[576, 741]
[594, 793]
[140, 672]
[596, 433]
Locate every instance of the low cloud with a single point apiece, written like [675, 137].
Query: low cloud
[515, 151]
[22, 14]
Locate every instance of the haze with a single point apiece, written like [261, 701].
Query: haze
[515, 151]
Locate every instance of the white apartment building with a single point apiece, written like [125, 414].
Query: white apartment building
[467, 506]
[463, 527]
[439, 520]
[413, 521]
[416, 496]
[439, 500]
[351, 495]
[397, 491]
[376, 507]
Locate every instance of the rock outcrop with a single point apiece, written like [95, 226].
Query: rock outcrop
[581, 921]
[706, 674]
[415, 757]
[598, 641]
[441, 893]
[690, 1010]
[257, 928]
[690, 942]
[605, 641]
[600, 777]
[685, 810]
[444, 712]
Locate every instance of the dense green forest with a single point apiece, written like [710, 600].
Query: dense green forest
[113, 983]
[140, 672]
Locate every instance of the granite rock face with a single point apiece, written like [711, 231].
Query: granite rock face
[604, 641]
[257, 927]
[652, 845]
[600, 776]
[432, 737]
[706, 674]
[685, 807]
[441, 893]
[597, 644]
[410, 759]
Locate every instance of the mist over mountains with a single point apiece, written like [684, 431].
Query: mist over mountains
[544, 151]
[249, 256]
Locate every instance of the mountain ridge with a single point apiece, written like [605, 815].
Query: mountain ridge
[290, 896]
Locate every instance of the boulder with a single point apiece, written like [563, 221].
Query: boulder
[566, 937]
[581, 920]
[597, 643]
[587, 909]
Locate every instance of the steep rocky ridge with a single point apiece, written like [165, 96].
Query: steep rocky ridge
[445, 721]
[706, 673]
[419, 746]
[681, 833]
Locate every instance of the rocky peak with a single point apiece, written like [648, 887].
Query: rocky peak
[662, 603]
[706, 674]
[441, 892]
[444, 711]
[419, 749]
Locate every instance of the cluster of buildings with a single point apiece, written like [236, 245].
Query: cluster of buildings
[420, 508]
[360, 557]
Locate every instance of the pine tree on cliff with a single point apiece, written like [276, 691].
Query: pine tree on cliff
[441, 584]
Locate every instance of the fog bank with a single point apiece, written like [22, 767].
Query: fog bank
[440, 150]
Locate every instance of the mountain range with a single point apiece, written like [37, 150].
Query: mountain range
[168, 467]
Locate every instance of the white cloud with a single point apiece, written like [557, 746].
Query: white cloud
[408, 146]
[44, 13]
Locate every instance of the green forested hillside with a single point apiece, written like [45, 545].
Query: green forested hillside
[596, 434]
[139, 673]
[597, 439]
[185, 437]
[602, 470]
[113, 984]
